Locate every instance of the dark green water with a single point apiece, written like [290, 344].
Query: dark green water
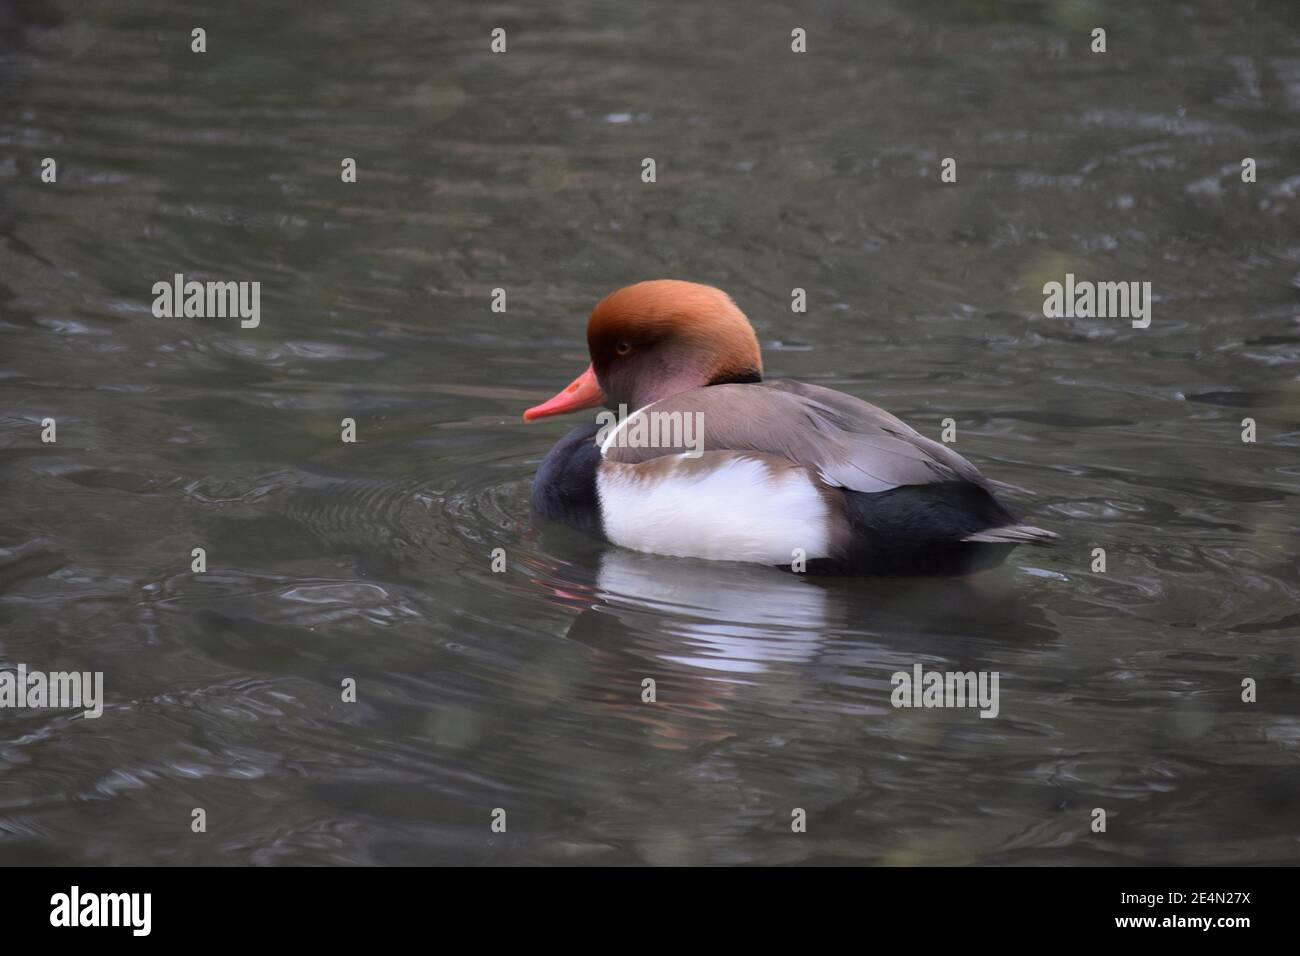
[522, 690]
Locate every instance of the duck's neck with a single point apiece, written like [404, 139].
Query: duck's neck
[686, 380]
[748, 376]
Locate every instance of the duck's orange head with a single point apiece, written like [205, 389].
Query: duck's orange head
[654, 339]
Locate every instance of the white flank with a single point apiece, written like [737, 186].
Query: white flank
[734, 509]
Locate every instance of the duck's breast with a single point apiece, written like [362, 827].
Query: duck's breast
[725, 506]
[564, 488]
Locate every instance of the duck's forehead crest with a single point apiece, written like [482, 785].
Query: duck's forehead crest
[660, 305]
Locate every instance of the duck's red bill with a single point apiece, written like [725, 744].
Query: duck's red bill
[583, 392]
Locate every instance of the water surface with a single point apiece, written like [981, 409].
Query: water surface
[522, 690]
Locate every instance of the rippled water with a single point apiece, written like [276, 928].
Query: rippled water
[522, 690]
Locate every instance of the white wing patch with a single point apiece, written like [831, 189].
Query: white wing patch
[721, 506]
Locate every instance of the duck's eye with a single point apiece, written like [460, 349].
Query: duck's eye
[623, 348]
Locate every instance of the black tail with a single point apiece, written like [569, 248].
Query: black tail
[945, 528]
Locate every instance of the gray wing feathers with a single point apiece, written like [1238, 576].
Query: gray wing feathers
[847, 442]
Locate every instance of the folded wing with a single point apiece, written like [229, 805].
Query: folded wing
[846, 442]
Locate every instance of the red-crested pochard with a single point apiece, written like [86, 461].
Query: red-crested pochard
[725, 465]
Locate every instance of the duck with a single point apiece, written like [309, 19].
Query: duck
[716, 462]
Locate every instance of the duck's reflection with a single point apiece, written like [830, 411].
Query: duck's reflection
[722, 641]
[716, 616]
